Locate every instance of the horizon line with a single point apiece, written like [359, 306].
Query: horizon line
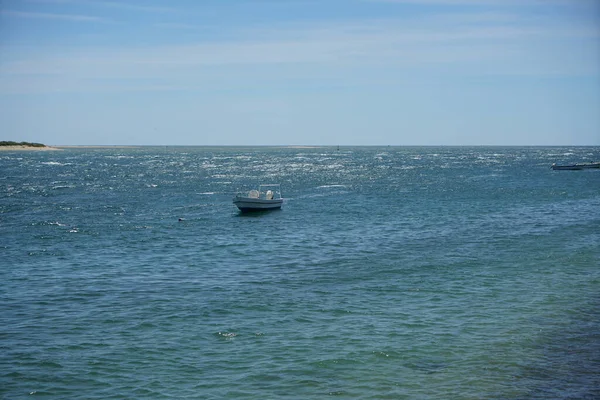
[313, 145]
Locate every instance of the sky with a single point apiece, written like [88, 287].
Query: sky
[300, 72]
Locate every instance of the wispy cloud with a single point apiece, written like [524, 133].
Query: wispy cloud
[445, 2]
[54, 16]
[110, 4]
[128, 6]
[175, 25]
[354, 52]
[488, 3]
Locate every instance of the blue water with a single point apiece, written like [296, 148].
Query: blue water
[390, 273]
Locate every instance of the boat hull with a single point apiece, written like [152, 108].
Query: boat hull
[566, 167]
[575, 167]
[246, 204]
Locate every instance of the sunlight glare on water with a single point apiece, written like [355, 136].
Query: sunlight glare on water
[390, 272]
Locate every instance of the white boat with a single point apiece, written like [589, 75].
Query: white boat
[267, 197]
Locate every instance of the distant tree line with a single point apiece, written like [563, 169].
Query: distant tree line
[29, 144]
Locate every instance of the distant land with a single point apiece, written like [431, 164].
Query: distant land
[9, 145]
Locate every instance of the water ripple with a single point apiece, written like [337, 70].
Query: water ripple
[389, 273]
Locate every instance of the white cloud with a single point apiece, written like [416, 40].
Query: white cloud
[352, 52]
[488, 3]
[54, 16]
[122, 5]
[176, 26]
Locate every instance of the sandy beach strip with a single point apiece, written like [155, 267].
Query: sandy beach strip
[302, 147]
[99, 146]
[28, 148]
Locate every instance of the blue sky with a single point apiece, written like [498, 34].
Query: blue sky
[300, 72]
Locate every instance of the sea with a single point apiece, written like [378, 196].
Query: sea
[389, 273]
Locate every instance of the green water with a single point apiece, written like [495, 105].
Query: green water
[390, 273]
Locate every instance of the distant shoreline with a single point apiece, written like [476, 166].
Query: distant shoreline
[28, 148]
[101, 146]
[299, 147]
[107, 146]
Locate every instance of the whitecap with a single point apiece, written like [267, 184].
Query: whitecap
[56, 223]
[227, 335]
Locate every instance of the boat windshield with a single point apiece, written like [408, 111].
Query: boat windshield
[264, 192]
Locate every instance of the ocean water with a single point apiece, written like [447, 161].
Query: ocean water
[390, 273]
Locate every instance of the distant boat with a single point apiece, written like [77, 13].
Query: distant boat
[267, 197]
[577, 166]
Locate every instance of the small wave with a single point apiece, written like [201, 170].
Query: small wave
[47, 223]
[330, 186]
[312, 196]
[56, 223]
[334, 166]
[207, 193]
[226, 335]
